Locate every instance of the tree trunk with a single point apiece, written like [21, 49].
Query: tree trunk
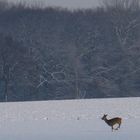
[6, 91]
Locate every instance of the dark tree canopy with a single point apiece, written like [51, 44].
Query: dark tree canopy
[54, 53]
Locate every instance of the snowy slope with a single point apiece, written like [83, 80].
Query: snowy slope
[69, 120]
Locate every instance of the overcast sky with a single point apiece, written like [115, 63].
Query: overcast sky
[69, 3]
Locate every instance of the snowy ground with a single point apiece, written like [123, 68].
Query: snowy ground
[69, 120]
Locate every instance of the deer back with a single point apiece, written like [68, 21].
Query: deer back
[113, 121]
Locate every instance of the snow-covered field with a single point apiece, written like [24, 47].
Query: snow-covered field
[69, 120]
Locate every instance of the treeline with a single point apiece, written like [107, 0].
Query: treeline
[55, 53]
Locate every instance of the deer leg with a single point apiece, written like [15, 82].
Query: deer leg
[118, 126]
[112, 128]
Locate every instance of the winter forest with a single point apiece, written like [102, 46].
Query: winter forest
[54, 53]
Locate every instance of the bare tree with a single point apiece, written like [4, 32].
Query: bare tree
[32, 3]
[10, 56]
[3, 5]
[121, 15]
[121, 4]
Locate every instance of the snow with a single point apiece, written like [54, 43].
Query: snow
[69, 119]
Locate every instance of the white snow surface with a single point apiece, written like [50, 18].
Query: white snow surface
[69, 119]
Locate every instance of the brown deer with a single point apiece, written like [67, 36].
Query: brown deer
[112, 122]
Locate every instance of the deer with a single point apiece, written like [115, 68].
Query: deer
[112, 122]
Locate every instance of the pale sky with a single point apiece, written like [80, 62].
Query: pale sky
[69, 3]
